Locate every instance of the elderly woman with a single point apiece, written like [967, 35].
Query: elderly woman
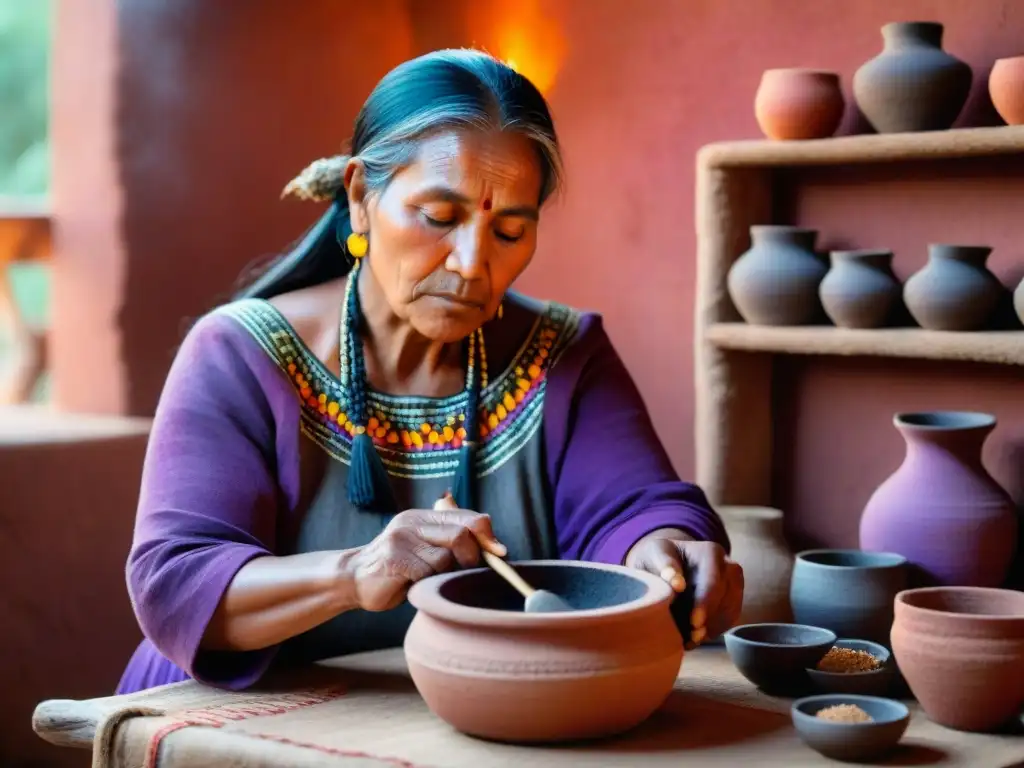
[307, 428]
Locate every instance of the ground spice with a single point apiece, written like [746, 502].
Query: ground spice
[845, 713]
[848, 660]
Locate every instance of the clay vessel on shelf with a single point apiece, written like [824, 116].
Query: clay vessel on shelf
[776, 281]
[954, 291]
[848, 591]
[860, 290]
[1006, 87]
[912, 85]
[799, 103]
[492, 671]
[941, 509]
[1018, 300]
[759, 546]
[961, 651]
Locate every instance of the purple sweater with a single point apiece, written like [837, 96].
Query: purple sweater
[222, 467]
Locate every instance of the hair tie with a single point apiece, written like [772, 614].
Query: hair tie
[322, 180]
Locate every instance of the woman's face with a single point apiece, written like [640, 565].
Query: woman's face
[453, 230]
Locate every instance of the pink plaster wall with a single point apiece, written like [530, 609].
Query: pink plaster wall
[212, 109]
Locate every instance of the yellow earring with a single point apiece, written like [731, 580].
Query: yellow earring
[501, 310]
[357, 245]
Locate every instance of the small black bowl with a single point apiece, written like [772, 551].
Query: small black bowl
[854, 742]
[775, 657]
[876, 682]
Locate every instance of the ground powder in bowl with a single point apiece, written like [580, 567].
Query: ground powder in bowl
[844, 713]
[848, 660]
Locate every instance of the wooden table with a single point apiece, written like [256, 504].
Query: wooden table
[363, 712]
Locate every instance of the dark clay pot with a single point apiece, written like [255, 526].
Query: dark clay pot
[941, 509]
[848, 591]
[954, 291]
[776, 281]
[860, 290]
[912, 85]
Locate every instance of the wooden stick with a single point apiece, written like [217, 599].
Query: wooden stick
[508, 573]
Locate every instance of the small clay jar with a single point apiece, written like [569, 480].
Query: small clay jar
[799, 103]
[860, 290]
[759, 546]
[955, 290]
[776, 281]
[912, 85]
[1006, 87]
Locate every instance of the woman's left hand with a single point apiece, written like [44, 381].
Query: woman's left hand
[717, 581]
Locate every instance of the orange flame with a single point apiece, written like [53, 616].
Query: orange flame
[518, 33]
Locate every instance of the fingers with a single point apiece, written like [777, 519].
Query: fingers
[445, 512]
[662, 558]
[453, 540]
[708, 561]
[731, 605]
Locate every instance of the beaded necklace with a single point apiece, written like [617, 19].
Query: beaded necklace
[368, 482]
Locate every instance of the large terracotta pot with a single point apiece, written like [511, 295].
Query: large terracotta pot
[799, 103]
[860, 290]
[912, 85]
[848, 591]
[1006, 87]
[961, 651]
[954, 291]
[776, 281]
[941, 509]
[759, 546]
[492, 671]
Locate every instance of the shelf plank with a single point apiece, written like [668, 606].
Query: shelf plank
[868, 148]
[995, 347]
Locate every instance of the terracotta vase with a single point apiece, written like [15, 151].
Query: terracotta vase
[799, 103]
[848, 591]
[961, 651]
[912, 85]
[860, 290]
[954, 291]
[492, 671]
[759, 545]
[1006, 87]
[941, 509]
[776, 281]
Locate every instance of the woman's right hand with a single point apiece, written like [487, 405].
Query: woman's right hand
[418, 543]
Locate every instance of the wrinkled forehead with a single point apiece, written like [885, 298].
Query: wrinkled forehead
[479, 165]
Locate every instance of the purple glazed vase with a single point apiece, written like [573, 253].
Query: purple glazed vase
[941, 509]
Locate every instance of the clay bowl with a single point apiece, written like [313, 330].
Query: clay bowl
[775, 657]
[1006, 87]
[854, 742]
[961, 651]
[876, 682]
[492, 671]
[798, 103]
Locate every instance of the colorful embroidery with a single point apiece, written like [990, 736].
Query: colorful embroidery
[417, 436]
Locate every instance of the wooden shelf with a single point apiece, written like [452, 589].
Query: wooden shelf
[738, 184]
[998, 347]
[870, 148]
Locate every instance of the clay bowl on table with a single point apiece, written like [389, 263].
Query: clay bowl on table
[848, 591]
[775, 657]
[961, 651]
[492, 671]
[850, 741]
[875, 682]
